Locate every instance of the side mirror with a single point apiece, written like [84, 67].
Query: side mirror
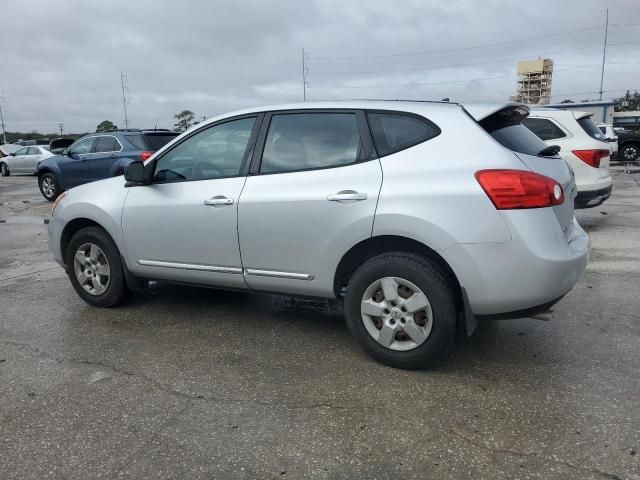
[12, 154]
[134, 173]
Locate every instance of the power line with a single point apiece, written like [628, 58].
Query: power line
[442, 82]
[458, 65]
[426, 52]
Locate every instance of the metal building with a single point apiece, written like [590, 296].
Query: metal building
[534, 81]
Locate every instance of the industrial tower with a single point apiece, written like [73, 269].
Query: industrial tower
[534, 81]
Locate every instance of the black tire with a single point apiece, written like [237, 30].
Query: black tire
[50, 177]
[116, 291]
[4, 170]
[428, 277]
[630, 153]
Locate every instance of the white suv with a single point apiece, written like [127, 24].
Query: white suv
[583, 146]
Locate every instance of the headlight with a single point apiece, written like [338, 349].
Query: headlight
[58, 200]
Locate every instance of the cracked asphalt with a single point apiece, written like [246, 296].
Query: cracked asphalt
[193, 383]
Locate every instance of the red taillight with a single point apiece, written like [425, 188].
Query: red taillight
[145, 155]
[509, 189]
[591, 157]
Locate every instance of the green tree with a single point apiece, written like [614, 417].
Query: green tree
[567, 101]
[185, 119]
[105, 125]
[628, 102]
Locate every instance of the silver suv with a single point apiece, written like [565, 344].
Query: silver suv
[421, 218]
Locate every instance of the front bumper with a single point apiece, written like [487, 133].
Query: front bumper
[56, 226]
[592, 198]
[536, 268]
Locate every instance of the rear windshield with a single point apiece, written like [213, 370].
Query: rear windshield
[150, 141]
[589, 126]
[506, 128]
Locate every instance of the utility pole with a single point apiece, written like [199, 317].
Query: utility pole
[61, 127]
[604, 52]
[4, 134]
[304, 76]
[124, 83]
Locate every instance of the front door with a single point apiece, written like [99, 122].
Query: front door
[311, 196]
[100, 164]
[17, 160]
[73, 166]
[184, 225]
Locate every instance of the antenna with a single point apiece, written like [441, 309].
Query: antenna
[604, 52]
[125, 85]
[61, 127]
[305, 70]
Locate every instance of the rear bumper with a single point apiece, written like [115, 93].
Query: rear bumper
[527, 274]
[592, 198]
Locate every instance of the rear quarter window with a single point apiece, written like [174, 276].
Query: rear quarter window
[393, 131]
[589, 126]
[545, 129]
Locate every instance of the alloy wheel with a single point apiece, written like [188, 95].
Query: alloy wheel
[91, 268]
[630, 153]
[48, 187]
[396, 313]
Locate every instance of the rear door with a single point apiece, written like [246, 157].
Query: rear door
[311, 195]
[34, 155]
[100, 164]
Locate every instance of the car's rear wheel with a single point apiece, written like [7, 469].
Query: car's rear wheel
[94, 268]
[401, 310]
[49, 186]
[4, 170]
[630, 153]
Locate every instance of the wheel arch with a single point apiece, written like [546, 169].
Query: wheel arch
[71, 228]
[377, 245]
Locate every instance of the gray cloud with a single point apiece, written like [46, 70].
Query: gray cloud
[61, 62]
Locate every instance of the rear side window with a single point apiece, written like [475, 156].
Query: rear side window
[106, 144]
[603, 130]
[543, 128]
[150, 141]
[589, 126]
[33, 151]
[393, 132]
[304, 141]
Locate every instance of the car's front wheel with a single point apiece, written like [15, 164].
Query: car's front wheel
[630, 153]
[4, 170]
[49, 186]
[401, 310]
[94, 268]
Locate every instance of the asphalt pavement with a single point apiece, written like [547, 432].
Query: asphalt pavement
[193, 383]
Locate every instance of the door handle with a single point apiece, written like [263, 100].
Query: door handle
[218, 201]
[347, 195]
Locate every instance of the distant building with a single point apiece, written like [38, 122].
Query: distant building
[534, 81]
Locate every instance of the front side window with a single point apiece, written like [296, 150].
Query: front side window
[216, 152]
[82, 146]
[394, 132]
[107, 144]
[303, 141]
[21, 151]
[543, 128]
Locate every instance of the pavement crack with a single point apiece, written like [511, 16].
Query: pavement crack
[546, 459]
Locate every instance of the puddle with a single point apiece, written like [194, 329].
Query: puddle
[25, 220]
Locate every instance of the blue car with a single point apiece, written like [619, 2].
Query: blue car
[97, 156]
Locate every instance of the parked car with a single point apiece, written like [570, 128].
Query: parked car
[582, 145]
[611, 137]
[23, 160]
[363, 201]
[629, 145]
[58, 145]
[97, 156]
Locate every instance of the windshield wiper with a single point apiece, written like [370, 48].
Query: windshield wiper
[550, 151]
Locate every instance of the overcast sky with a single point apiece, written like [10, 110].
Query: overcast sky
[61, 61]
